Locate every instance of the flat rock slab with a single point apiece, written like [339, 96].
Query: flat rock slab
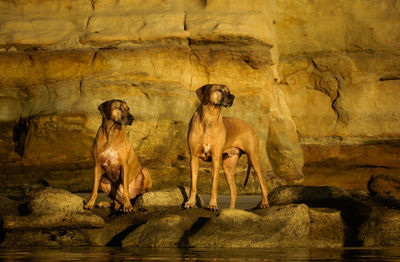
[45, 238]
[170, 197]
[52, 220]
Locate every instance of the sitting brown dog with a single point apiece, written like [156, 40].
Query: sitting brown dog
[116, 165]
[217, 139]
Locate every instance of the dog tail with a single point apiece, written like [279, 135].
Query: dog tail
[247, 175]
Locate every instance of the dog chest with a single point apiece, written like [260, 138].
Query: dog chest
[110, 163]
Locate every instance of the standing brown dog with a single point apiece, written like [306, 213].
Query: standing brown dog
[116, 165]
[214, 138]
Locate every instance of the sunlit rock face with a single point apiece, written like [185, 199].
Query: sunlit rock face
[340, 70]
[60, 59]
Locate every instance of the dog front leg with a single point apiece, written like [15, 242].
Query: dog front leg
[216, 161]
[96, 177]
[127, 201]
[194, 171]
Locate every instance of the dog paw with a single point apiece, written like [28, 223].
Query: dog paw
[213, 207]
[189, 204]
[104, 204]
[128, 208]
[263, 204]
[88, 206]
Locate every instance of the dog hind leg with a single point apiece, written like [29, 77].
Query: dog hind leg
[255, 162]
[147, 182]
[229, 165]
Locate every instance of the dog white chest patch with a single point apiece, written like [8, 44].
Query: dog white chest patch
[206, 148]
[110, 155]
[206, 152]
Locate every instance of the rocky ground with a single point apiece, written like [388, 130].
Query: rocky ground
[299, 216]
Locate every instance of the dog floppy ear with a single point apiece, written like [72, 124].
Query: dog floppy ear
[201, 92]
[105, 109]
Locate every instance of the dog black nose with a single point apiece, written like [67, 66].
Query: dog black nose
[130, 118]
[231, 97]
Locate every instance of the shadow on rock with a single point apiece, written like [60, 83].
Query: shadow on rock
[116, 241]
[184, 241]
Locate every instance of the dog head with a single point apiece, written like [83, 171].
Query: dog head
[215, 94]
[117, 111]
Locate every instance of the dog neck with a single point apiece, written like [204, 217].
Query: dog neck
[210, 114]
[111, 129]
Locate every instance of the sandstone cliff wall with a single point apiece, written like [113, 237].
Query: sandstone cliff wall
[337, 65]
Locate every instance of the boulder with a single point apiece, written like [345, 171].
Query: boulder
[359, 194]
[319, 196]
[381, 228]
[166, 231]
[50, 208]
[386, 188]
[327, 228]
[231, 228]
[53, 200]
[287, 222]
[272, 227]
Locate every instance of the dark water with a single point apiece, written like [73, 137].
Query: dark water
[148, 254]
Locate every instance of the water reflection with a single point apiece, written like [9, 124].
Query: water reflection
[148, 254]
